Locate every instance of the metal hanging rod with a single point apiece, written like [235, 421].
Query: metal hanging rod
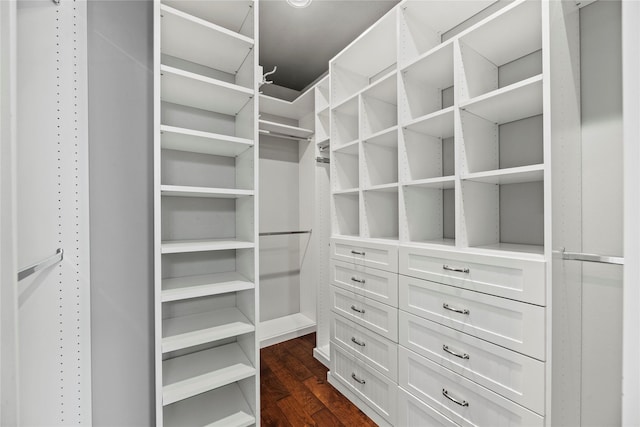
[580, 256]
[283, 136]
[322, 160]
[279, 233]
[54, 259]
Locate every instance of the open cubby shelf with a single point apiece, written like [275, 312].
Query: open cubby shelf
[194, 141]
[461, 113]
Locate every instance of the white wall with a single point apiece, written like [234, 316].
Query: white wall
[279, 202]
[121, 182]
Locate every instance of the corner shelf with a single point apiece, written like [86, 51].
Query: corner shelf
[195, 373]
[194, 141]
[281, 128]
[181, 288]
[224, 406]
[184, 246]
[218, 47]
[198, 91]
[205, 192]
[195, 329]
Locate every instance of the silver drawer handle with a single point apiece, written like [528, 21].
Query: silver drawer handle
[456, 269]
[357, 252]
[457, 310]
[354, 308]
[460, 355]
[360, 343]
[445, 393]
[353, 375]
[355, 279]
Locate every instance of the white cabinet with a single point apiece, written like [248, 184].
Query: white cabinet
[375, 284]
[383, 256]
[458, 398]
[413, 412]
[511, 324]
[205, 188]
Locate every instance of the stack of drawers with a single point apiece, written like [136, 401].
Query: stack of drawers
[364, 325]
[471, 339]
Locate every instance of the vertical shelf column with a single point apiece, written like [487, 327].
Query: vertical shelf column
[206, 209]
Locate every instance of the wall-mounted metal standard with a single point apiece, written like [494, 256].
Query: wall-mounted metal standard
[280, 233]
[580, 256]
[322, 160]
[54, 259]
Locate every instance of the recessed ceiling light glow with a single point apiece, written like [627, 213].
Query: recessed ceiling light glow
[299, 3]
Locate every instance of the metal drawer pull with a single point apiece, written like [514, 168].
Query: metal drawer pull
[355, 279]
[464, 403]
[453, 353]
[457, 310]
[357, 252]
[353, 375]
[354, 308]
[457, 270]
[360, 343]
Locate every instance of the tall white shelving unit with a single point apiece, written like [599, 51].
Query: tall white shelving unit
[206, 289]
[442, 126]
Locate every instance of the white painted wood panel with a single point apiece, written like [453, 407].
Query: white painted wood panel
[366, 252]
[413, 412]
[512, 324]
[378, 285]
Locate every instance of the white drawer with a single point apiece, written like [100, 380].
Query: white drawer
[511, 324]
[378, 352]
[378, 285]
[510, 277]
[513, 375]
[378, 317]
[458, 398]
[412, 412]
[373, 388]
[383, 256]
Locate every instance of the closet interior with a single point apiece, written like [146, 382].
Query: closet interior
[405, 207]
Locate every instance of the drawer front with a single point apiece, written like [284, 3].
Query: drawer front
[511, 324]
[375, 389]
[378, 317]
[377, 255]
[378, 285]
[519, 279]
[513, 375]
[378, 352]
[458, 398]
[412, 412]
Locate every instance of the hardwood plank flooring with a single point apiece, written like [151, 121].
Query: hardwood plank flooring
[295, 392]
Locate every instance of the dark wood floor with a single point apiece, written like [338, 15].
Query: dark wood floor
[295, 391]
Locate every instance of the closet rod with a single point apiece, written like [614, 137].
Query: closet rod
[279, 233]
[580, 256]
[282, 136]
[53, 259]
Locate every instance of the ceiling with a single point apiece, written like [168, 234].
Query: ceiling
[302, 41]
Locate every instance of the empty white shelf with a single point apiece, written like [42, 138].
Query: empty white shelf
[434, 67]
[225, 406]
[349, 191]
[188, 331]
[348, 148]
[442, 182]
[195, 90]
[517, 175]
[285, 328]
[517, 101]
[535, 251]
[194, 141]
[438, 124]
[284, 129]
[184, 246]
[235, 16]
[196, 373]
[219, 193]
[198, 286]
[385, 89]
[216, 46]
[387, 137]
[290, 109]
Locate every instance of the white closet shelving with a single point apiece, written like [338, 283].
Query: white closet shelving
[206, 243]
[440, 124]
[286, 128]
